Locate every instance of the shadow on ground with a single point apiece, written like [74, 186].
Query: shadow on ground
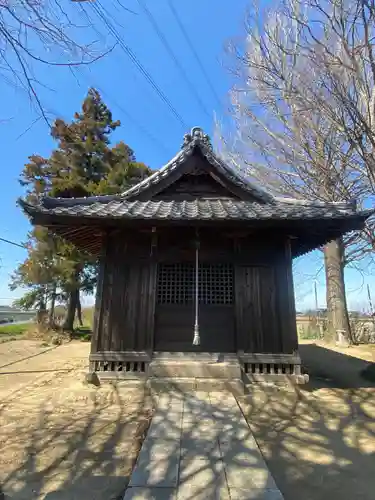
[62, 439]
[319, 439]
[334, 368]
[89, 454]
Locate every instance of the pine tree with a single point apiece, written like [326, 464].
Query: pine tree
[83, 164]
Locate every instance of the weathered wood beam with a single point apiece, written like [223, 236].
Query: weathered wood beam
[262, 358]
[120, 356]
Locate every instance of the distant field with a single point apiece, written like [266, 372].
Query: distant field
[88, 317]
[17, 315]
[14, 329]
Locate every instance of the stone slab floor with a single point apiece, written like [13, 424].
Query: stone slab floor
[199, 446]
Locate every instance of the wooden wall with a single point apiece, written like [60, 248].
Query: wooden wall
[264, 300]
[124, 310]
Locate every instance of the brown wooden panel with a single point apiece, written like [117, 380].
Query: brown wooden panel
[99, 299]
[133, 308]
[104, 341]
[178, 245]
[194, 186]
[127, 299]
[145, 306]
[270, 339]
[239, 290]
[290, 337]
[257, 319]
[174, 328]
[258, 249]
[150, 310]
[285, 300]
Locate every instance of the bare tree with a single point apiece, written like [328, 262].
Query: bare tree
[288, 134]
[42, 32]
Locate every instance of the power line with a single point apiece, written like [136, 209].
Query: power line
[135, 122]
[192, 48]
[138, 124]
[168, 48]
[137, 63]
[13, 243]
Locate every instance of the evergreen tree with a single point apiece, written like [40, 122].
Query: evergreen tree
[83, 164]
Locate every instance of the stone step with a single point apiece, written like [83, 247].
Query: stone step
[273, 378]
[162, 384]
[195, 356]
[194, 369]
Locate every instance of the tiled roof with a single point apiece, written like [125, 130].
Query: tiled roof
[197, 138]
[202, 209]
[128, 205]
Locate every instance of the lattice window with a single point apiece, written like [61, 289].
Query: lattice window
[176, 284]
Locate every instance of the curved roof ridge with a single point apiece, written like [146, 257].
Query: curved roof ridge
[83, 200]
[318, 203]
[156, 175]
[197, 138]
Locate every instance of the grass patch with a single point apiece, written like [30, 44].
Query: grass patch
[16, 329]
[83, 333]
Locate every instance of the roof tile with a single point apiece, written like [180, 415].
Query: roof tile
[205, 209]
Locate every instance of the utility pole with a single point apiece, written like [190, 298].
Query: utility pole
[369, 300]
[318, 322]
[316, 298]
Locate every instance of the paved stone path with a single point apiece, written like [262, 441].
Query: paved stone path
[199, 446]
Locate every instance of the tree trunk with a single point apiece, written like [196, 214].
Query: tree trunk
[68, 324]
[51, 314]
[79, 309]
[337, 310]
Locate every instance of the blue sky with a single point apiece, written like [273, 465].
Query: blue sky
[148, 126]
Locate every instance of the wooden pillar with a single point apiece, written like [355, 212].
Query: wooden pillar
[96, 330]
[290, 343]
[239, 291]
[151, 292]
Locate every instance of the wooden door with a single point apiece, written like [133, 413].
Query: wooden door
[256, 310]
[175, 308]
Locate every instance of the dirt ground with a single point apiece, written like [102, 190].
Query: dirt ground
[59, 438]
[63, 440]
[319, 440]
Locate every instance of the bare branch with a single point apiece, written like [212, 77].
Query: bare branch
[43, 32]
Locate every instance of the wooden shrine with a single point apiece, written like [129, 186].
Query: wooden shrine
[195, 263]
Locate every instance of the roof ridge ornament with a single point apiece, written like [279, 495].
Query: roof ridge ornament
[197, 135]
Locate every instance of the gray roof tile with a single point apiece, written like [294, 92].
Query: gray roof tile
[202, 209]
[127, 206]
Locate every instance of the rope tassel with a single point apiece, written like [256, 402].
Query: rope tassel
[196, 339]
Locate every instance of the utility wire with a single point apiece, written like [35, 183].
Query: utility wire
[13, 243]
[131, 119]
[193, 50]
[168, 48]
[96, 6]
[138, 124]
